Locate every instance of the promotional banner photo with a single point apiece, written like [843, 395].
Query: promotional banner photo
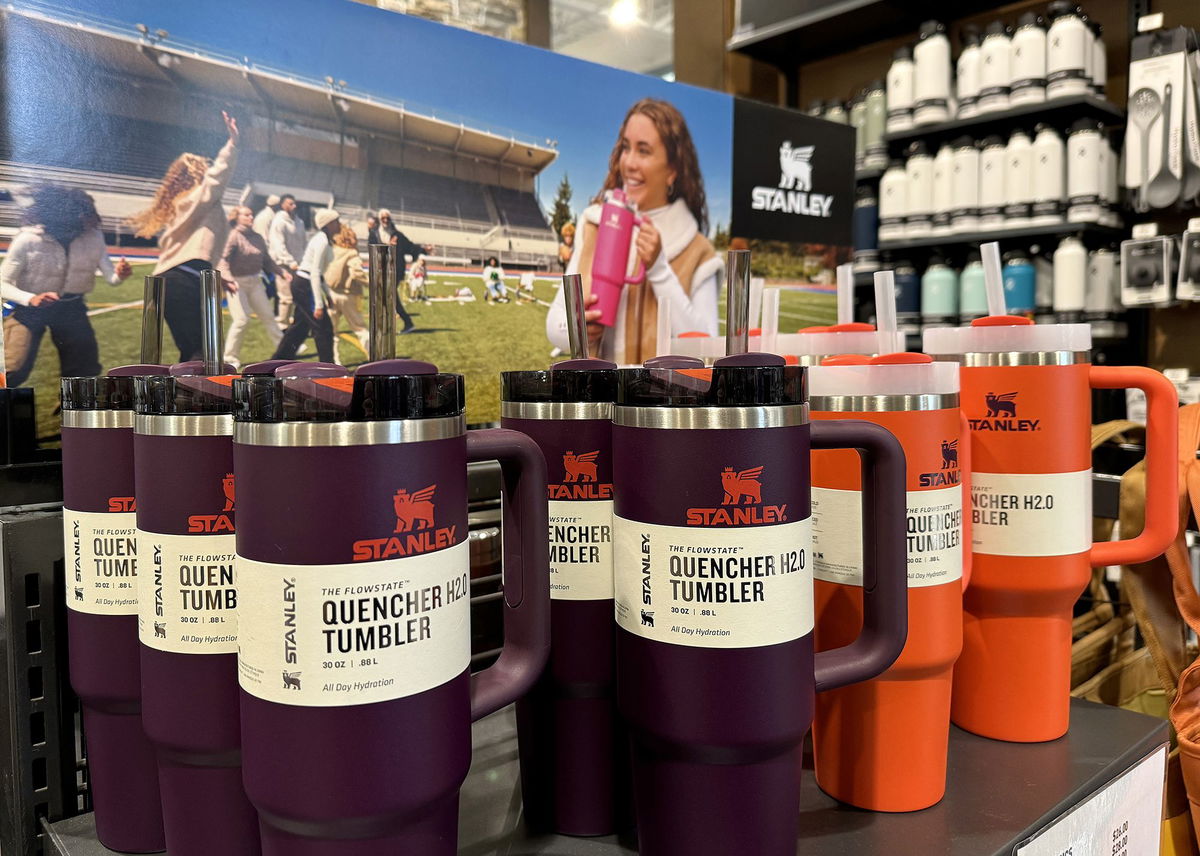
[598, 428]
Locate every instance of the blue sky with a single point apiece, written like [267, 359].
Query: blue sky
[536, 93]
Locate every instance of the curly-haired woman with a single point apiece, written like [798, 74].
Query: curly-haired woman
[655, 161]
[49, 269]
[187, 211]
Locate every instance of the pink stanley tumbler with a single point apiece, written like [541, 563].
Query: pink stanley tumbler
[610, 263]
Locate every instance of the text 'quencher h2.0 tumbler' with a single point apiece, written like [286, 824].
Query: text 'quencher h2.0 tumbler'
[187, 610]
[714, 594]
[881, 744]
[99, 528]
[357, 698]
[1026, 392]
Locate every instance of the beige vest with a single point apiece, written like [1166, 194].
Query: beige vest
[641, 306]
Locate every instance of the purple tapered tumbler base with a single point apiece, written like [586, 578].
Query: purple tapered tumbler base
[206, 812]
[124, 782]
[433, 833]
[716, 809]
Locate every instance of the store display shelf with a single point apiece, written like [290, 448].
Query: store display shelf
[1061, 112]
[1092, 233]
[801, 32]
[999, 795]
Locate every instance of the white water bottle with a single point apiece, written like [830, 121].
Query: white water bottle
[1049, 177]
[1100, 302]
[1018, 180]
[968, 73]
[931, 82]
[1087, 172]
[1028, 61]
[900, 81]
[995, 75]
[1070, 277]
[874, 148]
[964, 211]
[943, 189]
[991, 183]
[1068, 51]
[918, 220]
[893, 201]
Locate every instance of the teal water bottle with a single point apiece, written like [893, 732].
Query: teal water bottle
[1020, 284]
[939, 294]
[972, 301]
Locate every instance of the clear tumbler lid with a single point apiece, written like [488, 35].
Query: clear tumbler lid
[1007, 334]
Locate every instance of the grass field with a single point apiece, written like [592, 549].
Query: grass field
[475, 339]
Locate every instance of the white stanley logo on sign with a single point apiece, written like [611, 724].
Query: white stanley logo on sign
[793, 194]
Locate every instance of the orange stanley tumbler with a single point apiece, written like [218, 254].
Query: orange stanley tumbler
[881, 745]
[1026, 392]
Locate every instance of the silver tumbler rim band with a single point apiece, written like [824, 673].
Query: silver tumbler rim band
[883, 403]
[980, 359]
[184, 425]
[97, 418]
[556, 409]
[382, 432]
[702, 418]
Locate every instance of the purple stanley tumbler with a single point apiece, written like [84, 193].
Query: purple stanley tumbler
[574, 765]
[357, 698]
[714, 595]
[183, 459]
[99, 528]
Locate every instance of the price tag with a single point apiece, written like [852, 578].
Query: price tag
[1124, 819]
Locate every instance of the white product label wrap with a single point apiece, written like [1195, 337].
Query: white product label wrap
[187, 593]
[338, 635]
[934, 535]
[101, 559]
[581, 556]
[1031, 514]
[737, 587]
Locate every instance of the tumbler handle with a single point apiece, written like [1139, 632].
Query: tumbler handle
[885, 553]
[1162, 473]
[639, 272]
[526, 569]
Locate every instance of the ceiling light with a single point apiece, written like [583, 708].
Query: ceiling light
[623, 14]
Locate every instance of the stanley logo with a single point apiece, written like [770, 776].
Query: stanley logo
[949, 475]
[742, 503]
[121, 503]
[1002, 415]
[580, 479]
[415, 510]
[415, 531]
[215, 524]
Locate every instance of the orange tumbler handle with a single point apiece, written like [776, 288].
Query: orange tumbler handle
[1162, 475]
[964, 467]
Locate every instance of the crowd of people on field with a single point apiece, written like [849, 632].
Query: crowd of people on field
[299, 285]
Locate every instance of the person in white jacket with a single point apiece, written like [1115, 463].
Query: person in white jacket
[286, 240]
[655, 162]
[50, 267]
[309, 293]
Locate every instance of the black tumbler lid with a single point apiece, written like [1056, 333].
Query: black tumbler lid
[970, 35]
[743, 380]
[389, 389]
[570, 380]
[992, 140]
[997, 28]
[1030, 19]
[931, 28]
[184, 391]
[1081, 125]
[964, 142]
[1060, 9]
[113, 391]
[904, 52]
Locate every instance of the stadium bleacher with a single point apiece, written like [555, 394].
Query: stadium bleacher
[518, 209]
[406, 191]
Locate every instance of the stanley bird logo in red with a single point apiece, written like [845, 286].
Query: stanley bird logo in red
[741, 504]
[415, 531]
[581, 478]
[414, 510]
